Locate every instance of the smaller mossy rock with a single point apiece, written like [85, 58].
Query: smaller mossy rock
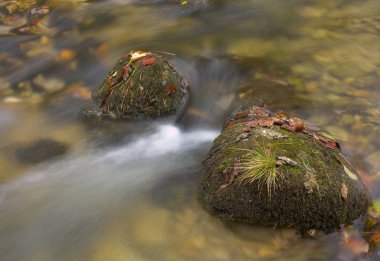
[270, 169]
[141, 85]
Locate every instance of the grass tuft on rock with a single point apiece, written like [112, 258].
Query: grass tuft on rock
[260, 165]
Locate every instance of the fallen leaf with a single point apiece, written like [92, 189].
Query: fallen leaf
[356, 245]
[241, 115]
[260, 111]
[11, 99]
[349, 173]
[80, 92]
[282, 160]
[375, 238]
[126, 70]
[170, 89]
[66, 54]
[326, 142]
[344, 191]
[148, 61]
[137, 55]
[242, 136]
[40, 10]
[264, 122]
[272, 134]
[282, 116]
[230, 123]
[297, 124]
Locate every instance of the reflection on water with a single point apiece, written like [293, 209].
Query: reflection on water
[105, 201]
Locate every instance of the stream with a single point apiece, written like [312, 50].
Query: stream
[124, 190]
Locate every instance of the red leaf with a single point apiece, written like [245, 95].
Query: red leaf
[148, 61]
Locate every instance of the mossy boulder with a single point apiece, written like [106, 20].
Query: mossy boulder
[270, 169]
[140, 85]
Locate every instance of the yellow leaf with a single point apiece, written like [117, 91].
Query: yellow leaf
[184, 3]
[350, 174]
[137, 55]
[344, 191]
[66, 54]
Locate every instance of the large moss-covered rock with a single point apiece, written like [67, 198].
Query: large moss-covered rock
[274, 170]
[140, 85]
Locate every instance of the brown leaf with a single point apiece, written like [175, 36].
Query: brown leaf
[297, 124]
[344, 191]
[293, 125]
[326, 142]
[230, 123]
[354, 243]
[148, 61]
[260, 111]
[241, 115]
[170, 89]
[282, 116]
[126, 70]
[264, 122]
[375, 238]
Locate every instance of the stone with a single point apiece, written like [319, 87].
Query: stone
[249, 181]
[141, 85]
[39, 151]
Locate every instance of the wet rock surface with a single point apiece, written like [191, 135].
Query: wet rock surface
[39, 151]
[141, 85]
[271, 169]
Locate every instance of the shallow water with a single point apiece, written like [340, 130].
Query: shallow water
[126, 191]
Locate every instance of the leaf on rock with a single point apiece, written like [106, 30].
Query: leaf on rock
[294, 125]
[260, 111]
[241, 115]
[375, 238]
[326, 142]
[264, 122]
[281, 160]
[126, 71]
[148, 61]
[344, 191]
[170, 89]
[138, 55]
[349, 173]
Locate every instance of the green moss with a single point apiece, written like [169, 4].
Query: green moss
[148, 87]
[308, 197]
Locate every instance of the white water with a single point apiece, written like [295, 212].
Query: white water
[65, 202]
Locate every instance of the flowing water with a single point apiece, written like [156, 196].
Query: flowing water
[127, 191]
